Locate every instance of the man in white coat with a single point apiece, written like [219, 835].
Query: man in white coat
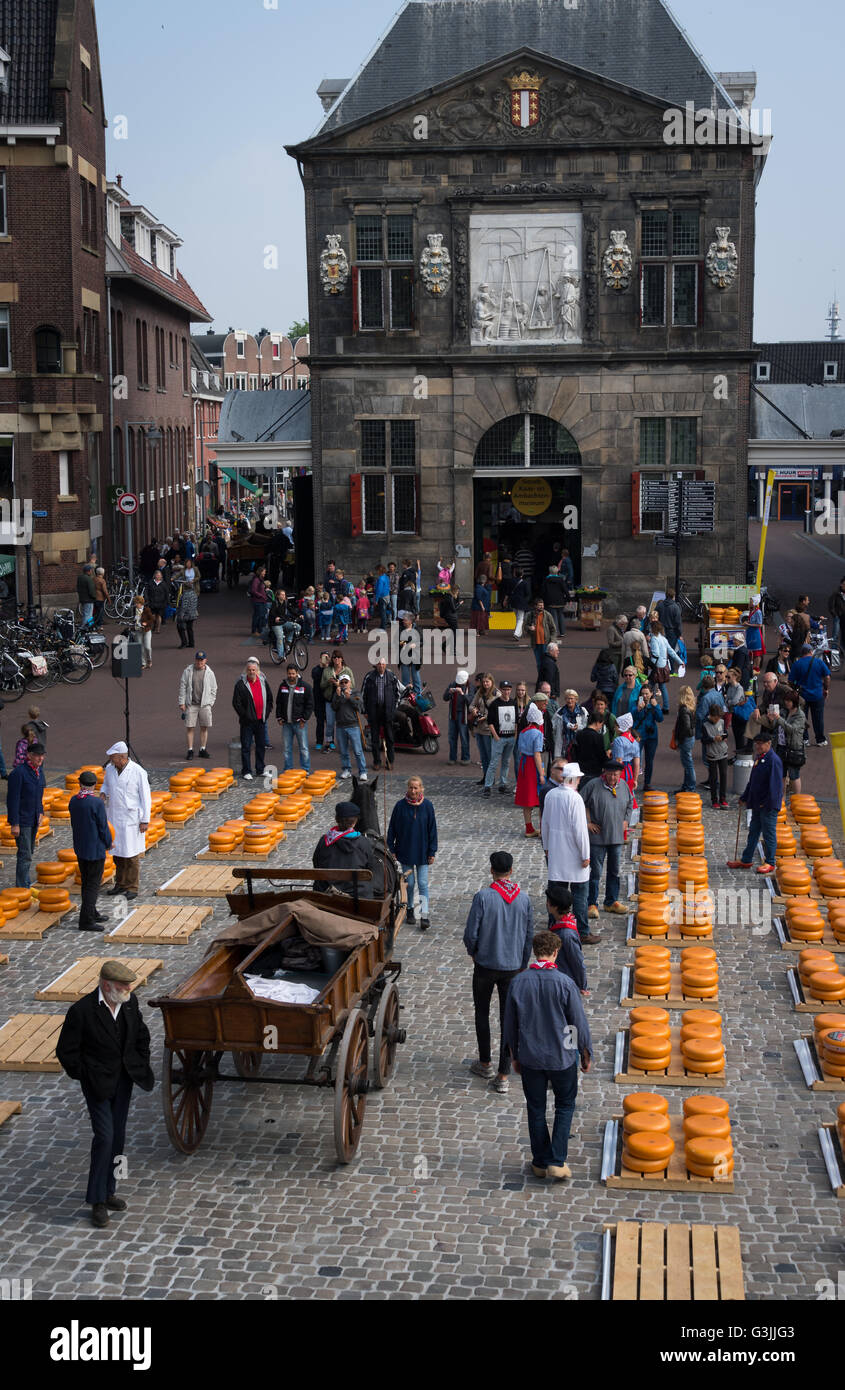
[126, 792]
[566, 841]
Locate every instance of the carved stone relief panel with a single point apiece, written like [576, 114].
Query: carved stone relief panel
[525, 277]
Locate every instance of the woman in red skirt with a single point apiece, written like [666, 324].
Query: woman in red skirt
[529, 766]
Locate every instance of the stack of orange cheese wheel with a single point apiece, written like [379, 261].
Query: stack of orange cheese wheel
[840, 1125]
[793, 877]
[654, 838]
[653, 912]
[158, 802]
[820, 975]
[156, 830]
[701, 1043]
[292, 808]
[646, 1143]
[261, 807]
[238, 826]
[177, 810]
[830, 876]
[59, 807]
[653, 874]
[67, 856]
[225, 774]
[209, 784]
[44, 827]
[292, 780]
[98, 771]
[699, 972]
[649, 1040]
[222, 841]
[690, 838]
[816, 842]
[697, 916]
[22, 896]
[652, 971]
[804, 809]
[184, 781]
[688, 808]
[51, 872]
[836, 919]
[259, 839]
[319, 783]
[53, 899]
[708, 1149]
[72, 782]
[49, 796]
[655, 806]
[804, 919]
[830, 1045]
[786, 847]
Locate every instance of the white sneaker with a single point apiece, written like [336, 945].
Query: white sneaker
[248, 777]
[344, 774]
[363, 777]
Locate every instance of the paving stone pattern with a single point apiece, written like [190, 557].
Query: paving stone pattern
[438, 1204]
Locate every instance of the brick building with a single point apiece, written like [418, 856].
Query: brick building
[591, 322]
[263, 361]
[151, 309]
[53, 366]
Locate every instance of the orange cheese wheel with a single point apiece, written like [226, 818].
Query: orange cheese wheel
[706, 1105]
[647, 1064]
[66, 856]
[698, 955]
[700, 1030]
[825, 987]
[654, 909]
[690, 839]
[218, 841]
[23, 895]
[9, 907]
[821, 1022]
[650, 1146]
[644, 1166]
[688, 806]
[832, 1067]
[833, 1042]
[709, 1153]
[820, 967]
[658, 976]
[650, 1030]
[650, 991]
[652, 955]
[703, 1068]
[840, 1113]
[705, 971]
[692, 868]
[652, 928]
[696, 929]
[707, 1127]
[703, 1016]
[700, 991]
[707, 1170]
[703, 1050]
[654, 839]
[646, 1122]
[645, 1100]
[644, 1013]
[816, 953]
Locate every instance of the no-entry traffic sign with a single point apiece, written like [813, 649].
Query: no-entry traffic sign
[127, 503]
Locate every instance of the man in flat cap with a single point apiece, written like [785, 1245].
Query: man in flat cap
[344, 847]
[126, 792]
[607, 801]
[105, 1045]
[92, 841]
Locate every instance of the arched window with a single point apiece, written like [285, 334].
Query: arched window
[548, 445]
[48, 350]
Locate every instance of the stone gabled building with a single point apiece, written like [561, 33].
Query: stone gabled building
[520, 304]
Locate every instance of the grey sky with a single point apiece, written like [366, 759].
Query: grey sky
[213, 89]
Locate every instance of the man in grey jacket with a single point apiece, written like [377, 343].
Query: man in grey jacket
[608, 804]
[197, 694]
[498, 936]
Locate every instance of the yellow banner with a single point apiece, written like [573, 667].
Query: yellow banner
[767, 506]
[837, 749]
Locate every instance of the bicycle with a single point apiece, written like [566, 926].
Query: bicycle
[691, 612]
[294, 645]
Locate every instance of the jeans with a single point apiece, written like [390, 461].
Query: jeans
[330, 723]
[597, 857]
[485, 743]
[815, 708]
[579, 893]
[762, 823]
[394, 605]
[86, 611]
[99, 605]
[260, 613]
[349, 737]
[410, 675]
[550, 1149]
[300, 733]
[557, 614]
[108, 1121]
[282, 632]
[252, 730]
[325, 629]
[539, 650]
[500, 755]
[4, 771]
[483, 983]
[385, 613]
[91, 873]
[685, 748]
[520, 619]
[421, 873]
[382, 731]
[664, 696]
[26, 843]
[456, 728]
[649, 748]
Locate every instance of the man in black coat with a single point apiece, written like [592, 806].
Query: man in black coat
[379, 697]
[105, 1045]
[555, 594]
[548, 669]
[158, 596]
[669, 613]
[344, 847]
[92, 841]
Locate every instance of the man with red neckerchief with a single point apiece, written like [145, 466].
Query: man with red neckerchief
[498, 936]
[570, 959]
[546, 1031]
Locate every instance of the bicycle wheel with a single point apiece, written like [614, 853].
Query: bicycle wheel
[300, 654]
[12, 685]
[275, 656]
[35, 683]
[98, 656]
[76, 668]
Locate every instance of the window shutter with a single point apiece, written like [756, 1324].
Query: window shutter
[355, 300]
[635, 503]
[355, 504]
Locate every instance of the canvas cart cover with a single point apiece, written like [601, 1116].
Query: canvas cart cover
[318, 925]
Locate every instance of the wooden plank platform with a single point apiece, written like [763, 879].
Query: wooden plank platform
[674, 1179]
[209, 881]
[815, 1075]
[675, 999]
[672, 938]
[81, 977]
[31, 924]
[805, 1004]
[834, 1158]
[789, 943]
[9, 1108]
[240, 857]
[28, 1042]
[160, 924]
[675, 1074]
[652, 1263]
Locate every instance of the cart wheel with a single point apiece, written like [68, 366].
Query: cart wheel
[351, 1086]
[247, 1063]
[388, 1036]
[187, 1085]
[430, 745]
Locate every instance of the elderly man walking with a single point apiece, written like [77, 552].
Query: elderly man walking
[608, 805]
[197, 694]
[566, 841]
[498, 936]
[92, 840]
[105, 1045]
[126, 792]
[252, 701]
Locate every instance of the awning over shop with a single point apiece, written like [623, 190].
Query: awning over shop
[234, 477]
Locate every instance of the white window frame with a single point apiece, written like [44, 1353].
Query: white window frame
[831, 371]
[5, 325]
[253, 382]
[764, 371]
[163, 254]
[288, 383]
[394, 478]
[240, 347]
[142, 241]
[302, 383]
[241, 381]
[229, 382]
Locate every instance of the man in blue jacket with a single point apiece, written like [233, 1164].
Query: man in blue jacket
[546, 1031]
[811, 676]
[92, 841]
[24, 808]
[498, 937]
[764, 796]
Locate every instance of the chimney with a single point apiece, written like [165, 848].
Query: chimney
[119, 180]
[330, 89]
[740, 87]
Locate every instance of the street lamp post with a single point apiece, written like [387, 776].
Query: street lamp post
[153, 436]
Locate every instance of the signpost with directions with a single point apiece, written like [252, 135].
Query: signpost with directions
[688, 506]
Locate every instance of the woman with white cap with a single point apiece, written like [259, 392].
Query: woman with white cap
[529, 767]
[126, 792]
[625, 749]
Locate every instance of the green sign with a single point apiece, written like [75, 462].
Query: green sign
[7, 564]
[112, 494]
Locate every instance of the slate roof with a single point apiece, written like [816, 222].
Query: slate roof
[636, 43]
[128, 263]
[265, 416]
[211, 344]
[201, 363]
[817, 409]
[28, 34]
[801, 363]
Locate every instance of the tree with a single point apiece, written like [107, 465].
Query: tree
[298, 330]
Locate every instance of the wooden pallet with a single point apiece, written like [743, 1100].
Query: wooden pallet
[651, 1263]
[9, 1108]
[160, 924]
[240, 857]
[804, 1004]
[834, 1158]
[789, 943]
[210, 881]
[675, 999]
[31, 924]
[674, 1179]
[83, 976]
[28, 1042]
[816, 1077]
[675, 1074]
[672, 938]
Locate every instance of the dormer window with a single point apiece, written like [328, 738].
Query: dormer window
[5, 63]
[142, 240]
[163, 255]
[830, 371]
[764, 371]
[113, 220]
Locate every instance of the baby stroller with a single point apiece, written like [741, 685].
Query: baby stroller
[209, 568]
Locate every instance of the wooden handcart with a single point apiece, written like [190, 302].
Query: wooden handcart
[215, 1010]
